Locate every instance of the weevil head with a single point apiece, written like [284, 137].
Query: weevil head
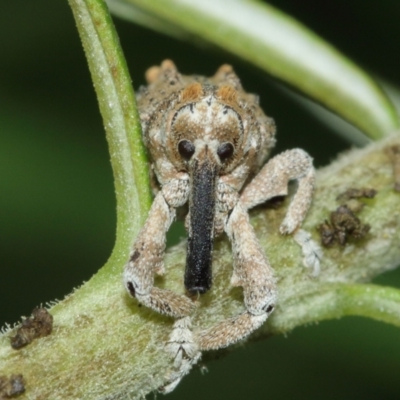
[208, 125]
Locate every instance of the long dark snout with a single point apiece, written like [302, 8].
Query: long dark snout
[198, 274]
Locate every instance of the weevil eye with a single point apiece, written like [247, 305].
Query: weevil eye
[186, 149]
[225, 151]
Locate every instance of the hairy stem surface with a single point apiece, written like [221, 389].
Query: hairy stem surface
[105, 346]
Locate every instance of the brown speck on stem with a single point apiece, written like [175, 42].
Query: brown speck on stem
[39, 325]
[11, 387]
[343, 223]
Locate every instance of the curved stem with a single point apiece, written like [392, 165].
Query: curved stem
[111, 348]
[336, 300]
[121, 121]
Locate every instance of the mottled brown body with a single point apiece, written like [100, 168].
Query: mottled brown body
[343, 224]
[207, 138]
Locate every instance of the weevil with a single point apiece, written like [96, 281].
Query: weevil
[208, 141]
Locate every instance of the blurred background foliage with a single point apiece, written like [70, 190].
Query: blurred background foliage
[57, 206]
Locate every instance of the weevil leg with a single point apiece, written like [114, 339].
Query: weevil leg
[185, 352]
[312, 252]
[273, 181]
[147, 259]
[253, 272]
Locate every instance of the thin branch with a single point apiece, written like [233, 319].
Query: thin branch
[121, 121]
[336, 300]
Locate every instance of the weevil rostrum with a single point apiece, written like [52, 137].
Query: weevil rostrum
[207, 139]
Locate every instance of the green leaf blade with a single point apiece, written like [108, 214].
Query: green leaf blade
[287, 50]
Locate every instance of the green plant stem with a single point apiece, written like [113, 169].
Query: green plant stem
[336, 300]
[114, 91]
[105, 346]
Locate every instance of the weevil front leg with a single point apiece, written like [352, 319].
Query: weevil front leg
[273, 181]
[147, 256]
[253, 272]
[183, 348]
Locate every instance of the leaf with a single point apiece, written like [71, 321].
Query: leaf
[280, 45]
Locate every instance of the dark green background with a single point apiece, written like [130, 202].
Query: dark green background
[57, 203]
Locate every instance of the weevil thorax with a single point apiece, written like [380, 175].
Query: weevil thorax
[187, 118]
